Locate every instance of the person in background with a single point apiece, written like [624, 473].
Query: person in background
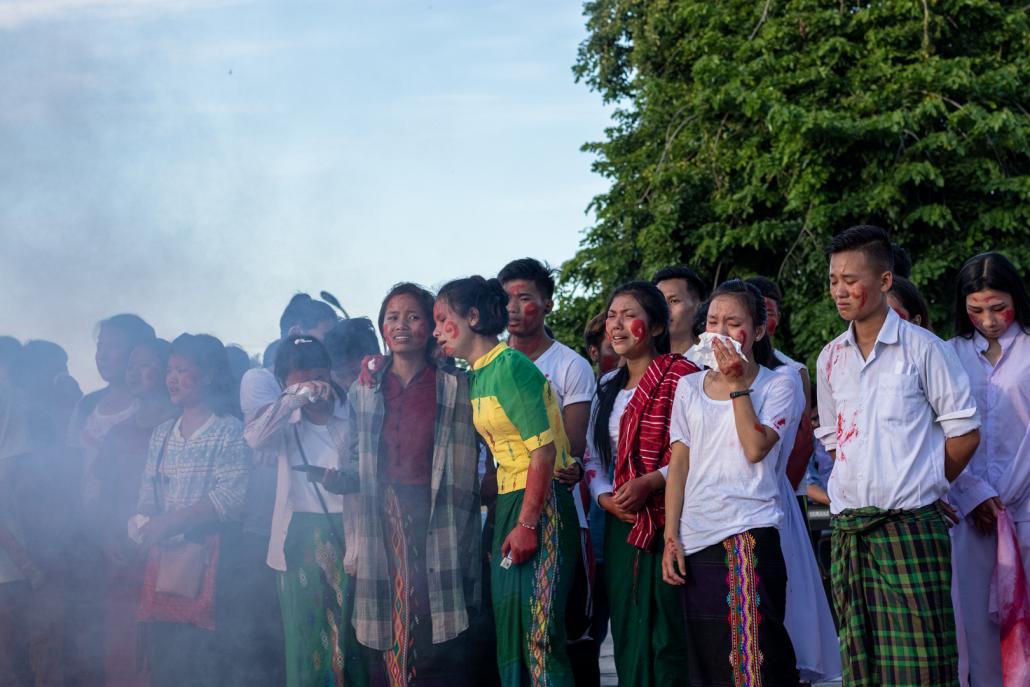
[18, 573]
[349, 342]
[259, 390]
[536, 537]
[530, 288]
[629, 450]
[597, 346]
[773, 298]
[9, 349]
[95, 414]
[418, 537]
[904, 298]
[722, 503]
[897, 415]
[193, 486]
[992, 326]
[46, 396]
[119, 468]
[684, 291]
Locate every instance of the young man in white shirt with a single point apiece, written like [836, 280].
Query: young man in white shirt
[684, 291]
[530, 287]
[897, 415]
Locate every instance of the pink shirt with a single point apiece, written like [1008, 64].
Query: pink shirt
[1002, 394]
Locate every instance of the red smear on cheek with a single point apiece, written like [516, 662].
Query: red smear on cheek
[638, 329]
[451, 330]
[741, 338]
[1008, 316]
[862, 297]
[530, 310]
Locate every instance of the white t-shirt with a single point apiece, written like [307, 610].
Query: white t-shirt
[320, 449]
[598, 479]
[569, 373]
[572, 380]
[726, 494]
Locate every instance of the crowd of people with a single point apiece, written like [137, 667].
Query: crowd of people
[480, 504]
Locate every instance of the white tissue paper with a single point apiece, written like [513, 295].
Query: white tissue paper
[136, 522]
[703, 355]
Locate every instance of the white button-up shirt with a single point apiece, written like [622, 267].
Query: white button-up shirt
[1002, 392]
[887, 416]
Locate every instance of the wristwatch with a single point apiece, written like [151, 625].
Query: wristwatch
[738, 394]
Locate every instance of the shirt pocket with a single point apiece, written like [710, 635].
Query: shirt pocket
[900, 398]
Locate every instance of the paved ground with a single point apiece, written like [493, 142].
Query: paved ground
[608, 678]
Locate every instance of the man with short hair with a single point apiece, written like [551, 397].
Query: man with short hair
[530, 287]
[897, 415]
[684, 291]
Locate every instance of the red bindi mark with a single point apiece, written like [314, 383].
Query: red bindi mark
[638, 329]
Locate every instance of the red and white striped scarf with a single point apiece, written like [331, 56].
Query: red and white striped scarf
[644, 439]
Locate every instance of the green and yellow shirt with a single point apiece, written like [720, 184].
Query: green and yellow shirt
[516, 412]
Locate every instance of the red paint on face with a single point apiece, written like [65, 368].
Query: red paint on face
[451, 330]
[863, 296]
[1008, 316]
[530, 310]
[742, 338]
[638, 329]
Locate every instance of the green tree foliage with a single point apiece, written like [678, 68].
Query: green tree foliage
[746, 134]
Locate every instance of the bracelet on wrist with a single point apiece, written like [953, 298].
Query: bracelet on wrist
[531, 528]
[738, 394]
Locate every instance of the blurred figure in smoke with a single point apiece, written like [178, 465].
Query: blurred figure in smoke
[17, 571]
[260, 642]
[94, 416]
[9, 348]
[193, 488]
[348, 343]
[47, 395]
[417, 543]
[308, 426]
[239, 363]
[119, 467]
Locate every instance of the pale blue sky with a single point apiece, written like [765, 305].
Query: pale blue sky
[197, 162]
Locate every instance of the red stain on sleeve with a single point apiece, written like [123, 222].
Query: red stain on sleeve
[780, 422]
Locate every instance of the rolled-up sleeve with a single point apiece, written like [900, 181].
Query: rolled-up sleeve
[948, 390]
[231, 471]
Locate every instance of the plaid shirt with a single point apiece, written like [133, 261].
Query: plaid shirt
[453, 565]
[214, 462]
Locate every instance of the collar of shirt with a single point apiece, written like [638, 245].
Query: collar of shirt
[888, 335]
[489, 357]
[981, 344]
[340, 412]
[393, 386]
